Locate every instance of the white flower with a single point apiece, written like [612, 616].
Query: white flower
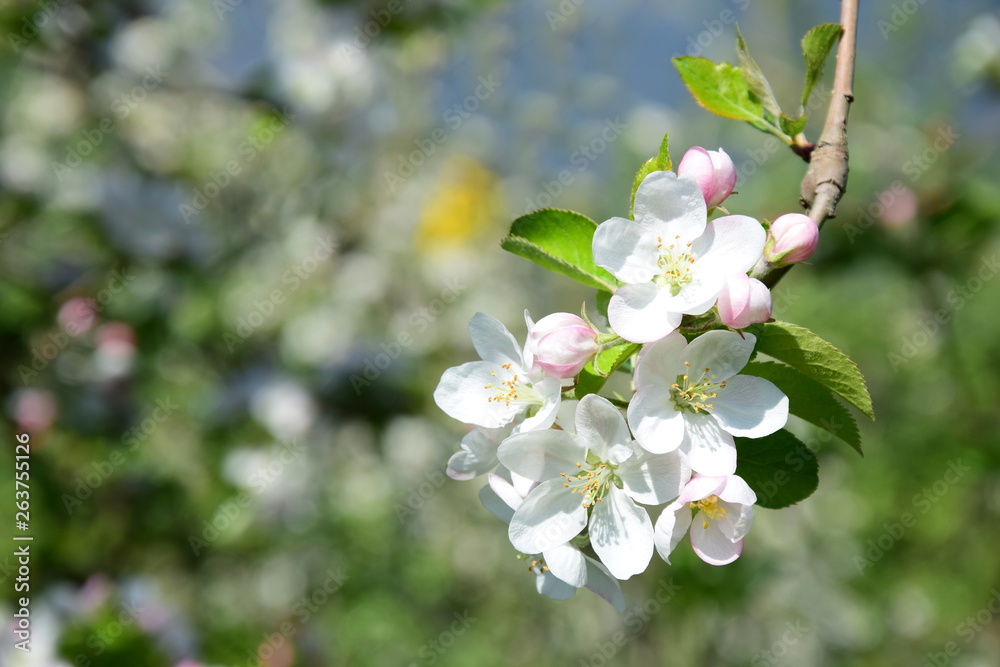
[478, 454]
[725, 514]
[500, 389]
[562, 569]
[591, 478]
[688, 396]
[673, 260]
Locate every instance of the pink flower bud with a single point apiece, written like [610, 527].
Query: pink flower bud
[744, 301]
[562, 344]
[714, 172]
[792, 238]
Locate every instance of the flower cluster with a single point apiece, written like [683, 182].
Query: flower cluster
[580, 482]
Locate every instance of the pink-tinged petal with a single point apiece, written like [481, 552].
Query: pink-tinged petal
[673, 523]
[793, 238]
[737, 491]
[724, 353]
[551, 515]
[710, 544]
[697, 163]
[626, 249]
[710, 450]
[621, 534]
[653, 479]
[702, 486]
[737, 522]
[493, 342]
[601, 426]
[495, 504]
[567, 564]
[601, 582]
[542, 455]
[676, 201]
[637, 314]
[732, 244]
[750, 407]
[744, 301]
[552, 587]
[725, 176]
[657, 425]
[462, 395]
[562, 344]
[660, 363]
[478, 455]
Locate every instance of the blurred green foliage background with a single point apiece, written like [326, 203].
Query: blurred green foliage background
[240, 241]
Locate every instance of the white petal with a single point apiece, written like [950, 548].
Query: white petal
[478, 455]
[732, 244]
[542, 455]
[553, 587]
[751, 407]
[736, 524]
[550, 389]
[710, 450]
[493, 342]
[653, 479]
[602, 427]
[567, 564]
[737, 491]
[462, 395]
[660, 362]
[600, 581]
[626, 249]
[637, 314]
[724, 352]
[495, 504]
[697, 296]
[506, 492]
[662, 196]
[657, 424]
[710, 544]
[702, 486]
[673, 523]
[551, 515]
[621, 534]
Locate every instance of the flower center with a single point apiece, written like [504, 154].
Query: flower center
[537, 563]
[593, 481]
[513, 390]
[694, 393]
[675, 266]
[710, 506]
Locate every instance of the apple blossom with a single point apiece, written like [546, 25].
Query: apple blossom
[478, 453]
[724, 508]
[591, 478]
[714, 172]
[673, 261]
[744, 301]
[501, 389]
[560, 570]
[562, 343]
[690, 398]
[792, 238]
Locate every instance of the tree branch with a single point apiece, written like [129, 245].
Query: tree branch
[826, 179]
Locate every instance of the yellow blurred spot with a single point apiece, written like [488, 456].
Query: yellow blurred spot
[461, 209]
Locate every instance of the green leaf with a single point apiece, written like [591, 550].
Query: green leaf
[812, 356]
[816, 47]
[778, 467]
[659, 163]
[809, 400]
[792, 126]
[722, 89]
[755, 79]
[596, 372]
[559, 241]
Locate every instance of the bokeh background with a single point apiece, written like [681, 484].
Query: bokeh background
[240, 240]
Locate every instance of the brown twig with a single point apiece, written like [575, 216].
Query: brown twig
[826, 179]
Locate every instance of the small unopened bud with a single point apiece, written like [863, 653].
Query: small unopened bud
[744, 301]
[562, 344]
[792, 238]
[714, 172]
